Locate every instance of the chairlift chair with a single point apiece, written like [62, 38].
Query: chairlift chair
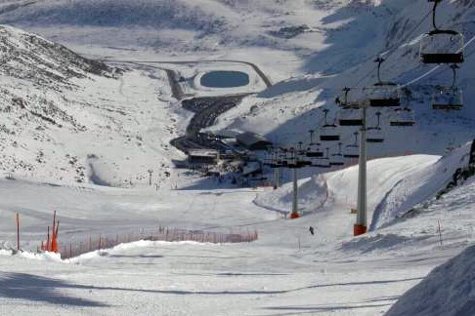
[350, 117]
[276, 161]
[314, 151]
[347, 100]
[322, 162]
[375, 134]
[301, 156]
[448, 98]
[292, 162]
[352, 150]
[337, 158]
[403, 117]
[441, 46]
[329, 131]
[383, 94]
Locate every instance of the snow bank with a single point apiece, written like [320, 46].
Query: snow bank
[448, 290]
[378, 242]
[4, 252]
[313, 194]
[131, 246]
[44, 256]
[419, 186]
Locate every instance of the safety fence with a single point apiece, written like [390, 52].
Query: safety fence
[77, 248]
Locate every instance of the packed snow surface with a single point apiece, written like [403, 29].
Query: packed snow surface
[80, 136]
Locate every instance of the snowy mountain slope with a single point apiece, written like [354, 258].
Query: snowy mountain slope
[123, 128]
[337, 50]
[447, 290]
[289, 109]
[420, 186]
[331, 196]
[395, 186]
[286, 271]
[70, 119]
[263, 31]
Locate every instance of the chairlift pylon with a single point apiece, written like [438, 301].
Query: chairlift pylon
[441, 46]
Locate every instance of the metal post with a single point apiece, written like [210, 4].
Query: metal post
[295, 210]
[276, 178]
[360, 227]
[150, 173]
[18, 231]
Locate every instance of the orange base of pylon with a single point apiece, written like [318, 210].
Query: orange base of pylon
[359, 230]
[294, 215]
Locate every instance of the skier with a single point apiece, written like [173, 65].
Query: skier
[311, 230]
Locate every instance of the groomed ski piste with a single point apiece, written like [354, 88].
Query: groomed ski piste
[79, 137]
[287, 271]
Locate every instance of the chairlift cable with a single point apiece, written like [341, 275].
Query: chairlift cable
[435, 68]
[393, 48]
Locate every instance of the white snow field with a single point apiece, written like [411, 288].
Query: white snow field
[446, 290]
[286, 272]
[78, 136]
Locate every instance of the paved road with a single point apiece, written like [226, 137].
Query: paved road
[206, 112]
[206, 109]
[256, 68]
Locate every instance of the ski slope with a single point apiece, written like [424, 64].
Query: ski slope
[287, 271]
[111, 127]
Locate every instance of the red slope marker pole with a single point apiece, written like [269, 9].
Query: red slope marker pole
[47, 242]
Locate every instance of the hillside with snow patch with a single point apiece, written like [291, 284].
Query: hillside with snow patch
[288, 110]
[69, 119]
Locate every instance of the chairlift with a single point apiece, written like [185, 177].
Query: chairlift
[347, 101]
[441, 46]
[350, 117]
[337, 158]
[275, 160]
[314, 151]
[448, 98]
[403, 117]
[301, 156]
[329, 131]
[322, 162]
[352, 150]
[291, 158]
[375, 134]
[294, 160]
[383, 94]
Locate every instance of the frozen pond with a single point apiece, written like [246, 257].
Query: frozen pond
[225, 79]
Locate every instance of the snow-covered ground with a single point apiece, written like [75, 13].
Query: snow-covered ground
[286, 272]
[72, 124]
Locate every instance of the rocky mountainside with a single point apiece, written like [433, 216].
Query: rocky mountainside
[63, 114]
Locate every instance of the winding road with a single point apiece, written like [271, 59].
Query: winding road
[206, 109]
